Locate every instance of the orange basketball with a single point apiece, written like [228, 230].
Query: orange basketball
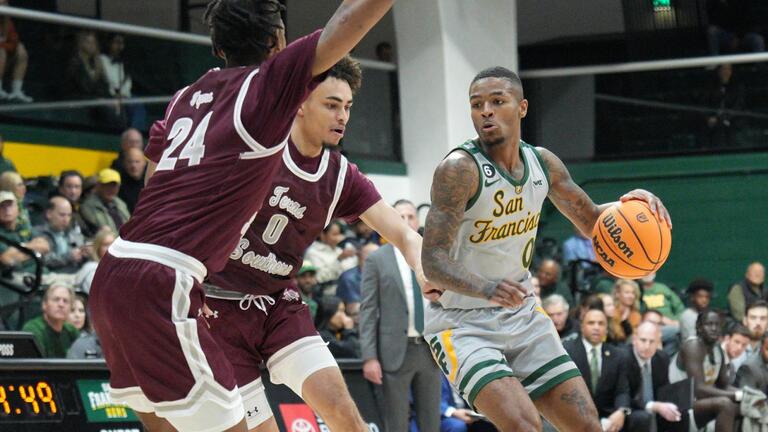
[629, 241]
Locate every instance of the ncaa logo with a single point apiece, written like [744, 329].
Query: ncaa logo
[302, 425]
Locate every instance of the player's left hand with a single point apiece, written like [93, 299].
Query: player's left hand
[657, 207]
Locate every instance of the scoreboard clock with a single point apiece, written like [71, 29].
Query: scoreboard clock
[60, 395]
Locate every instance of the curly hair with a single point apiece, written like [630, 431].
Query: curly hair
[244, 30]
[348, 70]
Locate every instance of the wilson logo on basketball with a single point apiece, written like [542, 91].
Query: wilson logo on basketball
[614, 231]
[642, 218]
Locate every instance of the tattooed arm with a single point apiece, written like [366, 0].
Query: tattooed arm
[577, 206]
[455, 181]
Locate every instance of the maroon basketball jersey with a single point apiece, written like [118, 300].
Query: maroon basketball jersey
[217, 150]
[299, 205]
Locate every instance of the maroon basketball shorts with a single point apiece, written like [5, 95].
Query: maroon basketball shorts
[277, 329]
[146, 304]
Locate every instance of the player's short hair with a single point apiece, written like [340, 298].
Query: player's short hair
[244, 30]
[754, 305]
[348, 70]
[500, 72]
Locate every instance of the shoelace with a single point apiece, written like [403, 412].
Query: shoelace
[256, 300]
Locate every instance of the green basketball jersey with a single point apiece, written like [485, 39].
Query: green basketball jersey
[497, 234]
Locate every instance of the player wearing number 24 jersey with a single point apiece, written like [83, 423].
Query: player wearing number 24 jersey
[212, 155]
[259, 315]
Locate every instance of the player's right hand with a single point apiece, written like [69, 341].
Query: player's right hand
[509, 293]
[372, 371]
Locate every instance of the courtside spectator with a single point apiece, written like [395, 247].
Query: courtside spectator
[578, 247]
[87, 346]
[455, 415]
[659, 297]
[604, 368]
[348, 288]
[101, 243]
[754, 372]
[699, 296]
[71, 187]
[557, 309]
[702, 359]
[747, 291]
[337, 329]
[64, 240]
[119, 80]
[549, 281]
[78, 316]
[11, 181]
[306, 281]
[735, 345]
[11, 229]
[648, 372]
[331, 260]
[51, 329]
[13, 52]
[626, 295]
[132, 176]
[104, 207]
[756, 320]
[130, 138]
[5, 163]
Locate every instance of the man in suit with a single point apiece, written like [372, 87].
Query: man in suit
[754, 371]
[391, 327]
[648, 371]
[604, 370]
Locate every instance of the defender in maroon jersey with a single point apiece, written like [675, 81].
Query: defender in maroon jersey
[212, 155]
[259, 312]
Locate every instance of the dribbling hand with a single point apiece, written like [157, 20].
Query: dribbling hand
[654, 202]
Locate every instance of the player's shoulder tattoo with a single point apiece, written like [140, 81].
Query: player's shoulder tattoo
[455, 180]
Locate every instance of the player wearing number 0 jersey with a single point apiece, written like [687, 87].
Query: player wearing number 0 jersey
[212, 156]
[259, 315]
[492, 340]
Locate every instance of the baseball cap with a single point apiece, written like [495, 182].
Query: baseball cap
[108, 175]
[7, 196]
[306, 267]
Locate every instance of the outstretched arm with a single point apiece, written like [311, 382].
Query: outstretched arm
[455, 181]
[577, 206]
[385, 220]
[352, 20]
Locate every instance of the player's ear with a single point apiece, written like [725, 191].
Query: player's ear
[300, 112]
[523, 108]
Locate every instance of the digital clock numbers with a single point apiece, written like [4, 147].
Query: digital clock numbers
[31, 400]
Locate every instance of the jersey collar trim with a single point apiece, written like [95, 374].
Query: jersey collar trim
[294, 168]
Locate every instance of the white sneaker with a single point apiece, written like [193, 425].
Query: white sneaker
[20, 96]
[4, 95]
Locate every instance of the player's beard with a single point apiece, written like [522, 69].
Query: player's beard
[492, 143]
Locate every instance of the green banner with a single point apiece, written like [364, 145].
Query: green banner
[98, 404]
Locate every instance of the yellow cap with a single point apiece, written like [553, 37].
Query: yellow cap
[108, 175]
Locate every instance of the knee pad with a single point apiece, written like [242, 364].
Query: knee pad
[293, 364]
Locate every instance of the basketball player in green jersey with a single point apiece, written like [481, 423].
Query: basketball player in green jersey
[487, 333]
